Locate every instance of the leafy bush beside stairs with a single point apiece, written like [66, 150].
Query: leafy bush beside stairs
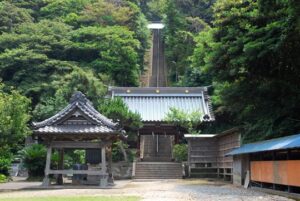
[180, 152]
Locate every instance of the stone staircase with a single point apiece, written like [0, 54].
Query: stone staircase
[159, 68]
[158, 170]
[156, 148]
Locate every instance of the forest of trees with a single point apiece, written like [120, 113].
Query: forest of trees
[43, 41]
[51, 48]
[246, 51]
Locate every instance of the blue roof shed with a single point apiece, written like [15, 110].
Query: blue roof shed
[288, 142]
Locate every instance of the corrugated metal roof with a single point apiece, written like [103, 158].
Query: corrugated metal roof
[153, 104]
[288, 142]
[199, 135]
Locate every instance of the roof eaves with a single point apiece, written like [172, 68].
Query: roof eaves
[54, 118]
[288, 142]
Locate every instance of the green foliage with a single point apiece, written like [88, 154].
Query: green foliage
[34, 159]
[32, 56]
[156, 9]
[102, 12]
[107, 13]
[33, 6]
[117, 154]
[197, 8]
[71, 157]
[78, 80]
[118, 111]
[48, 106]
[13, 120]
[6, 159]
[63, 8]
[78, 156]
[108, 49]
[131, 154]
[180, 152]
[3, 178]
[251, 58]
[11, 16]
[189, 121]
[198, 74]
[180, 34]
[82, 44]
[5, 165]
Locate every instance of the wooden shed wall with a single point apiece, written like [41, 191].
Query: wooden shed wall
[277, 172]
[207, 155]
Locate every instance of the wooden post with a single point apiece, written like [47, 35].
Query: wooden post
[103, 160]
[46, 181]
[110, 173]
[189, 156]
[60, 166]
[138, 146]
[103, 177]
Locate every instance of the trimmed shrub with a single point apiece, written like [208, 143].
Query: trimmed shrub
[3, 178]
[117, 154]
[5, 165]
[5, 161]
[34, 158]
[180, 152]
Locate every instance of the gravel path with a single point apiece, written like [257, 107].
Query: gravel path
[161, 190]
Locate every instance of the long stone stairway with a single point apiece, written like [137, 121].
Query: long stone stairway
[158, 170]
[159, 68]
[156, 150]
[157, 156]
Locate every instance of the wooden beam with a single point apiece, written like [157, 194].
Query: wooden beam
[72, 172]
[79, 145]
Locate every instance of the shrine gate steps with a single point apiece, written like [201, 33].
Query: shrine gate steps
[158, 170]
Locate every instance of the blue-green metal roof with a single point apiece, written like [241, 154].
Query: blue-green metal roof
[288, 142]
[153, 103]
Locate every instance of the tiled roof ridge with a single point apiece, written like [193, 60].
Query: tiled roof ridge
[54, 118]
[80, 101]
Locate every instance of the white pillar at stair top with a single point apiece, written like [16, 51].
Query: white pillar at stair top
[103, 160]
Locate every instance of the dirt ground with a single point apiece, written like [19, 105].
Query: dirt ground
[156, 190]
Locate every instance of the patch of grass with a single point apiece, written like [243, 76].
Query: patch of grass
[77, 198]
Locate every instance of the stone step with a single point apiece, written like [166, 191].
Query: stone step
[158, 177]
[157, 159]
[158, 170]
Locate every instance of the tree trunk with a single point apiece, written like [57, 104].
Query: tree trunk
[123, 151]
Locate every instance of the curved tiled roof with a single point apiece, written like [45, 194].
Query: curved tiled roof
[74, 129]
[78, 102]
